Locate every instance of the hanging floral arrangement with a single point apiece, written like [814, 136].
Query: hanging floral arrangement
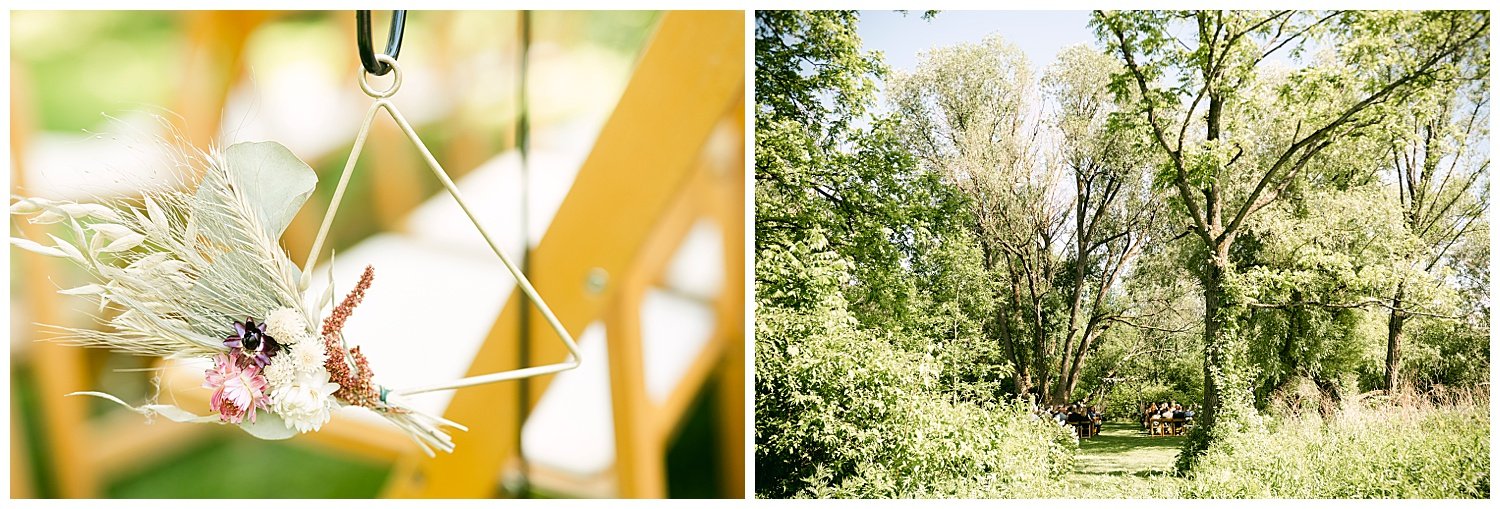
[197, 271]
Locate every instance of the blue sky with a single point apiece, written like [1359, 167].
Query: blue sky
[1041, 34]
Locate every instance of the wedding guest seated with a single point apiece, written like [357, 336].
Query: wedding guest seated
[1074, 415]
[1178, 412]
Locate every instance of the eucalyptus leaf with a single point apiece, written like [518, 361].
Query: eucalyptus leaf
[274, 181]
[268, 426]
[169, 411]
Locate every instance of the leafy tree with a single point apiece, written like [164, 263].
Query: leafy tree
[820, 178]
[1114, 205]
[964, 115]
[1440, 166]
[871, 379]
[1190, 70]
[1059, 203]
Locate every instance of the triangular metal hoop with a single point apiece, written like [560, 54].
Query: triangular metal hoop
[382, 102]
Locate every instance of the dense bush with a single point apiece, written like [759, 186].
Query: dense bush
[1398, 452]
[842, 413]
[1447, 353]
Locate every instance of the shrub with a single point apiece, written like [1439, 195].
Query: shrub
[842, 413]
[1396, 452]
[1446, 352]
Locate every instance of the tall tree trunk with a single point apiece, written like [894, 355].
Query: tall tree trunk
[1070, 383]
[1393, 341]
[1043, 353]
[1023, 384]
[1064, 386]
[1225, 389]
[1213, 294]
[1213, 286]
[1062, 390]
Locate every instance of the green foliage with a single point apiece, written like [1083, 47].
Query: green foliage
[809, 67]
[915, 272]
[1393, 453]
[841, 412]
[1265, 134]
[1318, 257]
[822, 183]
[873, 378]
[1447, 353]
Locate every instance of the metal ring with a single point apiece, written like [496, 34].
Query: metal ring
[367, 55]
[364, 82]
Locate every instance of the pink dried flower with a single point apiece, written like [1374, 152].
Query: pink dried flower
[238, 386]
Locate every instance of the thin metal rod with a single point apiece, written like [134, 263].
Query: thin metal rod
[523, 347]
[521, 281]
[338, 197]
[382, 101]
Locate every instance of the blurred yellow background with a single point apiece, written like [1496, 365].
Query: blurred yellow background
[630, 201]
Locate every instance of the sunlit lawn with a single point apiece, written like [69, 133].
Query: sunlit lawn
[1123, 462]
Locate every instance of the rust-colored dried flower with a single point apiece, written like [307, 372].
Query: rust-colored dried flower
[354, 385]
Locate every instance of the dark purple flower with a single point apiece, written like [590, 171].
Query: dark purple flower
[252, 339]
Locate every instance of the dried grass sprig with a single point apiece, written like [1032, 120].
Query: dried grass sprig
[177, 265]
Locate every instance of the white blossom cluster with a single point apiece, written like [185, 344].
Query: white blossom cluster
[300, 390]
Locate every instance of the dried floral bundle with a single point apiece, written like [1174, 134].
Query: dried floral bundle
[198, 272]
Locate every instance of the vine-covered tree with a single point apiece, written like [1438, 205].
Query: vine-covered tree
[1191, 70]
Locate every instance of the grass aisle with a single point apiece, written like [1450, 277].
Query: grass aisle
[1123, 462]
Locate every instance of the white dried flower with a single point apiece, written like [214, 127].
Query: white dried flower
[302, 360]
[280, 372]
[307, 357]
[288, 326]
[307, 402]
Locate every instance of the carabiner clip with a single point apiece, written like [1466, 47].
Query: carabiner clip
[366, 47]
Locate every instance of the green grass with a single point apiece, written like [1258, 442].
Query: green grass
[1394, 452]
[1399, 452]
[233, 466]
[1122, 462]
